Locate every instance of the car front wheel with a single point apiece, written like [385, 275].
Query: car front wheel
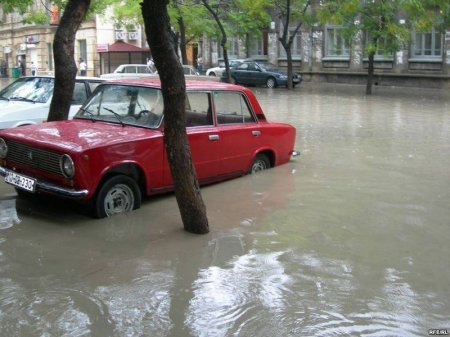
[260, 163]
[271, 83]
[118, 194]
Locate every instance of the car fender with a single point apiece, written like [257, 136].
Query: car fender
[264, 149]
[129, 168]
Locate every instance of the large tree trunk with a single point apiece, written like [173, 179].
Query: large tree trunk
[65, 66]
[187, 192]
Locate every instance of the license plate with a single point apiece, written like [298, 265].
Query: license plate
[18, 180]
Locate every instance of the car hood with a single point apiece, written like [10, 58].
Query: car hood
[77, 135]
[15, 107]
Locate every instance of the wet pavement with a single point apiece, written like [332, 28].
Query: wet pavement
[349, 239]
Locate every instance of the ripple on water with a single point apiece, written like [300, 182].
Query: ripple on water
[8, 213]
[57, 312]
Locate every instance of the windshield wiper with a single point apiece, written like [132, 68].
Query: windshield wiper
[115, 114]
[18, 98]
[4, 98]
[91, 115]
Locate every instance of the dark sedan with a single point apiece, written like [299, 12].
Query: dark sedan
[260, 73]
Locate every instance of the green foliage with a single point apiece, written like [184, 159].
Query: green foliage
[42, 16]
[37, 17]
[378, 20]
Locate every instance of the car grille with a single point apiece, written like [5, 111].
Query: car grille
[37, 158]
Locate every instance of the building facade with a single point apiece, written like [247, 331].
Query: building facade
[320, 53]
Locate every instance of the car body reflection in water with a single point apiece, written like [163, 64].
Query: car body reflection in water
[8, 213]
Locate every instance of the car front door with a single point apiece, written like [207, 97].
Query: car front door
[203, 136]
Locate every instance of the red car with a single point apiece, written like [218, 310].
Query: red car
[112, 152]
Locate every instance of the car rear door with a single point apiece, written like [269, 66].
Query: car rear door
[239, 132]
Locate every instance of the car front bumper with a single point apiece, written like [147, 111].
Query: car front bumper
[50, 188]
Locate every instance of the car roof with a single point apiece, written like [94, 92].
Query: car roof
[154, 81]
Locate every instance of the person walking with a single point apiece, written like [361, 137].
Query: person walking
[83, 67]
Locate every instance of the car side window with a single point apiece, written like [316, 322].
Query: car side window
[79, 93]
[198, 109]
[243, 66]
[232, 108]
[251, 67]
[130, 70]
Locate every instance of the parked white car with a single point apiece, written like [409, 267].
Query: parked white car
[217, 71]
[27, 100]
[130, 70]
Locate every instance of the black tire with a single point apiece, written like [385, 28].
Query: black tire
[117, 194]
[271, 82]
[260, 163]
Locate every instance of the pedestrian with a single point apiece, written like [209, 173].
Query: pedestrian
[199, 65]
[21, 66]
[83, 67]
[33, 68]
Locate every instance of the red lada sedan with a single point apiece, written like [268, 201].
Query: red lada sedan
[112, 152]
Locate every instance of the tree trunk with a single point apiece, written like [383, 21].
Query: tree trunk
[65, 66]
[370, 72]
[187, 191]
[223, 41]
[290, 74]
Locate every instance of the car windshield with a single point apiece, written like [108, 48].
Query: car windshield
[125, 105]
[29, 89]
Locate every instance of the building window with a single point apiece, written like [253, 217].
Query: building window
[258, 46]
[83, 49]
[427, 45]
[296, 51]
[336, 45]
[50, 57]
[233, 48]
[382, 52]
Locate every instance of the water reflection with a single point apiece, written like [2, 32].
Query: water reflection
[350, 239]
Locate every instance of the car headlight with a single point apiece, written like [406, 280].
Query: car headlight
[282, 76]
[3, 149]
[67, 166]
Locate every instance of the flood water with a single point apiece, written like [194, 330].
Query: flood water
[349, 239]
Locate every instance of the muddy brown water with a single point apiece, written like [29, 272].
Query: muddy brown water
[349, 239]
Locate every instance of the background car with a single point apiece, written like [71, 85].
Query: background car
[260, 73]
[27, 100]
[130, 70]
[189, 70]
[217, 71]
[112, 153]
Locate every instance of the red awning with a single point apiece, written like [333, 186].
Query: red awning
[123, 47]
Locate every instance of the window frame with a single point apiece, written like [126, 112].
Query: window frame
[345, 44]
[422, 36]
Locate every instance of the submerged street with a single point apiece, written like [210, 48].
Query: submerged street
[349, 239]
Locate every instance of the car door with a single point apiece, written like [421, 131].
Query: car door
[239, 132]
[242, 73]
[203, 137]
[254, 74]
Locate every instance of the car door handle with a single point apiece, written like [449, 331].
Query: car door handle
[256, 133]
[214, 137]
